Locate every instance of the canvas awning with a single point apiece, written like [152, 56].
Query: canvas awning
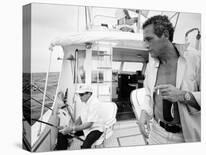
[135, 40]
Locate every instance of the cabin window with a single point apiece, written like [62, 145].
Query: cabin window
[80, 74]
[132, 66]
[101, 66]
[97, 77]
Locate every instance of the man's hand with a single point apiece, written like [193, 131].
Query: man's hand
[65, 130]
[144, 122]
[170, 92]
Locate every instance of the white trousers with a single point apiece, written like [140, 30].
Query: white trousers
[159, 135]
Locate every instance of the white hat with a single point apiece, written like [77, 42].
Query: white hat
[83, 89]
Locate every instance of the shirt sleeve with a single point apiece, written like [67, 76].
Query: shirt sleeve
[197, 93]
[147, 106]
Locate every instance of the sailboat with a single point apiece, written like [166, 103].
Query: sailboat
[110, 58]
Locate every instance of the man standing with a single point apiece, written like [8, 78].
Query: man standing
[172, 107]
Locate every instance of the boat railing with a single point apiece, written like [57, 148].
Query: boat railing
[28, 88]
[35, 87]
[104, 16]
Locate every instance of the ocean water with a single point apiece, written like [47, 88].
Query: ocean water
[33, 94]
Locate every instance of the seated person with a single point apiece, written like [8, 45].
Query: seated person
[89, 120]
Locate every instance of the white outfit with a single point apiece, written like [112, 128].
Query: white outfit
[188, 79]
[89, 114]
[159, 135]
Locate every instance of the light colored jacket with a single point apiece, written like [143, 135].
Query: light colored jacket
[89, 113]
[188, 79]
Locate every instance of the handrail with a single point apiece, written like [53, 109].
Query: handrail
[193, 29]
[36, 87]
[39, 89]
[102, 16]
[198, 36]
[40, 141]
[41, 103]
[37, 102]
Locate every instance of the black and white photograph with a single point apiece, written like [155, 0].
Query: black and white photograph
[102, 77]
[96, 77]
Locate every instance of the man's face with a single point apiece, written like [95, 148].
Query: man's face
[153, 42]
[84, 97]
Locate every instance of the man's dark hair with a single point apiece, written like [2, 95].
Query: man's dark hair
[160, 24]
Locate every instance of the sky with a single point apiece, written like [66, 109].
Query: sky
[50, 21]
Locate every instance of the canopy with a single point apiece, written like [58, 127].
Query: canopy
[135, 40]
[182, 22]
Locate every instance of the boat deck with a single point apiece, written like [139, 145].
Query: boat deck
[126, 133]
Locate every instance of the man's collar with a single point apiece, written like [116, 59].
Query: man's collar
[180, 48]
